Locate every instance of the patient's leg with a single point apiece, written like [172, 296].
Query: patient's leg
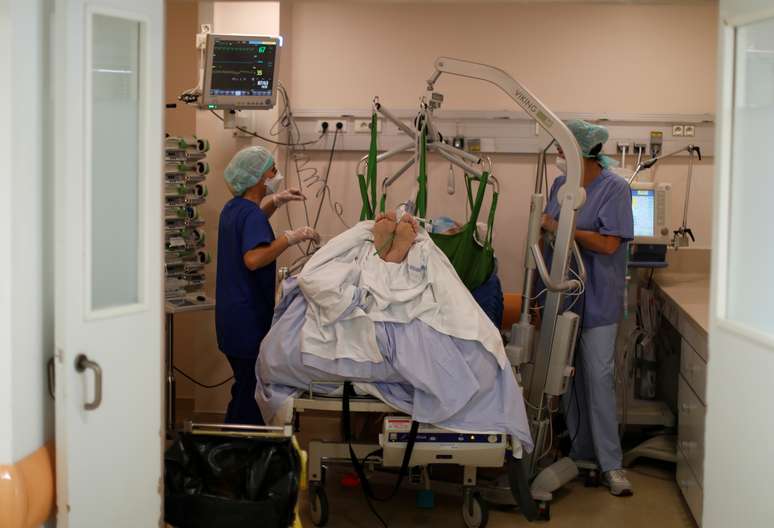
[384, 233]
[405, 234]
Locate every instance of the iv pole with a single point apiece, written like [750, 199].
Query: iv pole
[681, 234]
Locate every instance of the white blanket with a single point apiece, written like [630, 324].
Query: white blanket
[349, 287]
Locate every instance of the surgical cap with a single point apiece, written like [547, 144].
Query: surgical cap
[246, 168]
[590, 139]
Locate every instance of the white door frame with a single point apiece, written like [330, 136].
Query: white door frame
[723, 180]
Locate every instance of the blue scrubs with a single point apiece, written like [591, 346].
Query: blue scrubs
[244, 301]
[590, 403]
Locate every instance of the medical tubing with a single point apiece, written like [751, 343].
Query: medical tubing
[324, 189]
[688, 188]
[280, 143]
[372, 167]
[349, 391]
[200, 384]
[288, 122]
[384, 246]
[542, 164]
[574, 394]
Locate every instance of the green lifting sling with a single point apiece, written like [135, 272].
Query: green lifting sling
[367, 181]
[473, 262]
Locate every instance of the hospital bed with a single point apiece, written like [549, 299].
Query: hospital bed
[545, 359]
[434, 445]
[289, 389]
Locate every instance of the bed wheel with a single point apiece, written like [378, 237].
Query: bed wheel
[474, 511]
[318, 505]
[593, 479]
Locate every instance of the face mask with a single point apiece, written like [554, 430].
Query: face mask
[561, 164]
[274, 184]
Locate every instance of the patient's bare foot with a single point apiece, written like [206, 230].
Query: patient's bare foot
[384, 232]
[405, 234]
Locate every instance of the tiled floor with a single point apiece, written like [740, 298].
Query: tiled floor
[656, 504]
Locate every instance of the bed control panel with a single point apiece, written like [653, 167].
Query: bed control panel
[435, 445]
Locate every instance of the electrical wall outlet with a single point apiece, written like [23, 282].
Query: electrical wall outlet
[340, 125]
[363, 126]
[324, 125]
[677, 130]
[656, 142]
[689, 130]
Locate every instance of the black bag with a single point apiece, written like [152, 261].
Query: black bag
[215, 481]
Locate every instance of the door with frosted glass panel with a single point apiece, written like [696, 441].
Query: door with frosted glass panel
[739, 453]
[107, 99]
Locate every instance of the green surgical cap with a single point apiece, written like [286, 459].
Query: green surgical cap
[591, 138]
[246, 168]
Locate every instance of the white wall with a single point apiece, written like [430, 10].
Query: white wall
[26, 299]
[6, 413]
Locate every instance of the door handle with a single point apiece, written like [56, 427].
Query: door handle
[81, 364]
[51, 379]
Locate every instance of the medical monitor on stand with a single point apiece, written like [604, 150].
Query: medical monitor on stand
[240, 72]
[650, 210]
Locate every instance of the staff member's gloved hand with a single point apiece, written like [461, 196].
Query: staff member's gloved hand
[296, 236]
[288, 195]
[548, 223]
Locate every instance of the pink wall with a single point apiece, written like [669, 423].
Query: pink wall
[589, 58]
[603, 58]
[195, 342]
[577, 58]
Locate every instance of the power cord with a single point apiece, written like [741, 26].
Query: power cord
[324, 189]
[203, 385]
[306, 175]
[367, 498]
[280, 143]
[574, 394]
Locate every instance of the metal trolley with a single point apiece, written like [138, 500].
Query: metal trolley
[463, 449]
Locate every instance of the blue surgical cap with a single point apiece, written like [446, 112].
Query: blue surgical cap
[591, 138]
[246, 168]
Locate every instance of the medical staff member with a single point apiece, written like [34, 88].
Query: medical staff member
[604, 224]
[247, 254]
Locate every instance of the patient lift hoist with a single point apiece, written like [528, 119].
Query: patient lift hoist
[548, 364]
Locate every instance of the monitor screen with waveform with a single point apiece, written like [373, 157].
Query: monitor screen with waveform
[242, 68]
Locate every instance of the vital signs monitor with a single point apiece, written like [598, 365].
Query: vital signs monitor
[240, 72]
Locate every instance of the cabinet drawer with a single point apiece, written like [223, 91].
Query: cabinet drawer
[695, 336]
[690, 429]
[694, 370]
[669, 311]
[689, 487]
